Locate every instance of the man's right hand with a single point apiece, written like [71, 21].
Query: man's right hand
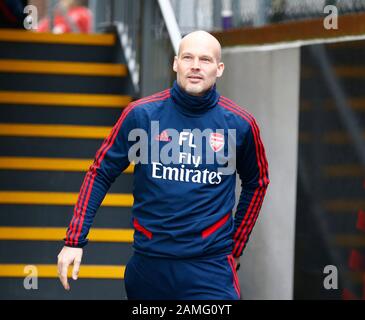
[66, 257]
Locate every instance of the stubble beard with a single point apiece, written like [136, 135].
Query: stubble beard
[195, 90]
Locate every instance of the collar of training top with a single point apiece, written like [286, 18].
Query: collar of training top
[194, 105]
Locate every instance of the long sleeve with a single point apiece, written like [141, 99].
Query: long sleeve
[111, 159]
[252, 168]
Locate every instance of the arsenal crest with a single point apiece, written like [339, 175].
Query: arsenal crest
[216, 141]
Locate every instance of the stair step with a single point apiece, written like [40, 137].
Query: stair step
[358, 277]
[337, 188]
[350, 240]
[68, 68]
[62, 83]
[350, 71]
[55, 181]
[12, 113]
[42, 215]
[64, 99]
[325, 116]
[60, 52]
[51, 289]
[340, 205]
[342, 71]
[44, 252]
[357, 104]
[60, 198]
[12, 35]
[343, 170]
[332, 137]
[354, 88]
[55, 131]
[57, 234]
[50, 271]
[325, 153]
[49, 147]
[57, 164]
[53, 175]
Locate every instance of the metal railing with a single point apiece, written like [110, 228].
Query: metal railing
[149, 35]
[217, 15]
[158, 49]
[124, 18]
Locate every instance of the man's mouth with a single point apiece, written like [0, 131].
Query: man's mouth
[195, 77]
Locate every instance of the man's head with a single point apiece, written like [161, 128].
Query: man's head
[198, 62]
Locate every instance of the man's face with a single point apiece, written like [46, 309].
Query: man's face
[197, 65]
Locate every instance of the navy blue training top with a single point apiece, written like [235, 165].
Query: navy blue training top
[183, 208]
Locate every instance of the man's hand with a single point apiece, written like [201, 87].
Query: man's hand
[238, 264]
[66, 257]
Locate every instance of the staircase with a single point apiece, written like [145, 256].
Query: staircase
[331, 180]
[59, 97]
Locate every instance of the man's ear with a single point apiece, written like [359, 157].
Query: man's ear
[220, 69]
[174, 67]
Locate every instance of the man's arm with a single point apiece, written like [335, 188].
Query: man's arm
[111, 159]
[252, 168]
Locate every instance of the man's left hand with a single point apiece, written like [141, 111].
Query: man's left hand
[238, 264]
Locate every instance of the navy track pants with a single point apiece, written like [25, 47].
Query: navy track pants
[151, 278]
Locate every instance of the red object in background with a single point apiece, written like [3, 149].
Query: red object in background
[348, 295]
[80, 16]
[361, 220]
[356, 261]
[6, 12]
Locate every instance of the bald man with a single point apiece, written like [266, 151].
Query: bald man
[203, 50]
[191, 143]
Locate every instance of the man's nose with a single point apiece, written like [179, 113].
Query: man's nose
[196, 64]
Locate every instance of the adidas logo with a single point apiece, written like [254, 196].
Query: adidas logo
[163, 136]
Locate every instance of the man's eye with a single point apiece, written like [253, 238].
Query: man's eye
[187, 58]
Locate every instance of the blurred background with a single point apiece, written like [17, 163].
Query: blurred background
[67, 70]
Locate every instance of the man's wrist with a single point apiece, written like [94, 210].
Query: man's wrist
[79, 245]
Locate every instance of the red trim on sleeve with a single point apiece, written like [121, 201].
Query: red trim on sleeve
[245, 228]
[77, 220]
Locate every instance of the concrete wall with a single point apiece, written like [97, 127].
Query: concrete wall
[266, 83]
